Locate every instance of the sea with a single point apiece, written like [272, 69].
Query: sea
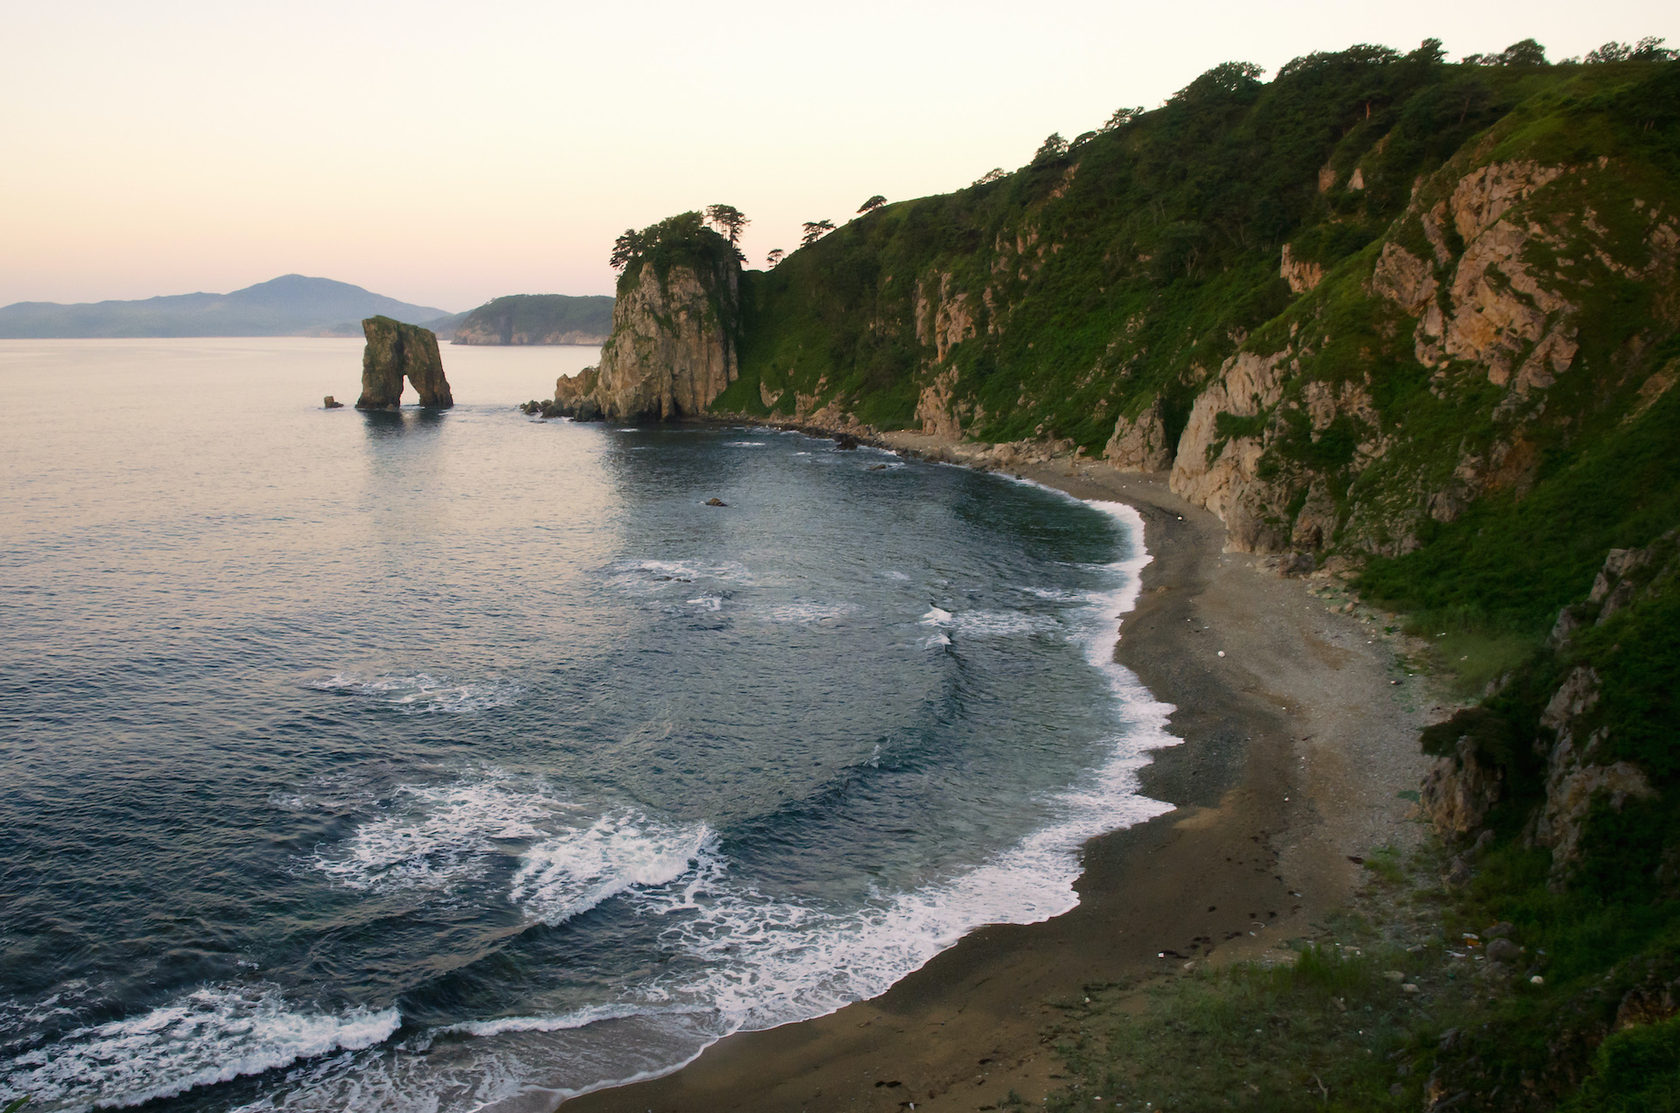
[438, 761]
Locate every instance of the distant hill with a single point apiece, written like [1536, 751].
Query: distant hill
[538, 319]
[292, 305]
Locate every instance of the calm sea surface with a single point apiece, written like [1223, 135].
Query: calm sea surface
[437, 761]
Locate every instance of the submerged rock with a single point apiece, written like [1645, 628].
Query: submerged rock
[396, 351]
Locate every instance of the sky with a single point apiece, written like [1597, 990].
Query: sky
[446, 154]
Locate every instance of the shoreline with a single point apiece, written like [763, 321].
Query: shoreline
[1298, 735]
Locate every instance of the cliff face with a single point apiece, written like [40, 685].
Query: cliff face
[396, 351]
[1497, 305]
[537, 319]
[673, 345]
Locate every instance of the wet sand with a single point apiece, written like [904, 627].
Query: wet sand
[1299, 734]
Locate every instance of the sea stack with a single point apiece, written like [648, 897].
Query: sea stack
[675, 323]
[395, 351]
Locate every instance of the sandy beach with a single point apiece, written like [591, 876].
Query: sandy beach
[1299, 733]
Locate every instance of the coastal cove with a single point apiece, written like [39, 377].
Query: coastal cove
[1299, 728]
[454, 760]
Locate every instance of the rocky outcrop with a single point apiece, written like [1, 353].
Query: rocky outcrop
[396, 351]
[1459, 790]
[1217, 463]
[672, 350]
[1581, 775]
[1576, 779]
[1301, 274]
[1140, 443]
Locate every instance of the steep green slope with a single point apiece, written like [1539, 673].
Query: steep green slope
[1392, 286]
[1124, 266]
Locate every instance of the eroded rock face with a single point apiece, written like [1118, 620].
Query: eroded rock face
[1140, 443]
[1301, 274]
[1218, 468]
[396, 351]
[1458, 791]
[672, 349]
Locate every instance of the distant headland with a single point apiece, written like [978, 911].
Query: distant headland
[291, 305]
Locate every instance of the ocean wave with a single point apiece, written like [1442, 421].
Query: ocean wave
[569, 873]
[422, 693]
[432, 837]
[765, 961]
[209, 1036]
[563, 1022]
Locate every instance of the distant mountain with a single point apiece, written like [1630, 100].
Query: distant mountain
[292, 305]
[538, 319]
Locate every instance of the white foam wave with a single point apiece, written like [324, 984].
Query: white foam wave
[653, 575]
[744, 444]
[211, 1035]
[936, 617]
[422, 693]
[809, 614]
[1003, 624]
[564, 1022]
[572, 872]
[768, 962]
[432, 837]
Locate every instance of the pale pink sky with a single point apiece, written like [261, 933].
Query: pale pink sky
[448, 153]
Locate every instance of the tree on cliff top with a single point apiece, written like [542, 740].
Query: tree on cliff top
[814, 231]
[872, 204]
[682, 240]
[729, 220]
[1226, 81]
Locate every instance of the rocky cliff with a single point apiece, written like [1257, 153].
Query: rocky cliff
[1339, 309]
[396, 351]
[537, 319]
[676, 318]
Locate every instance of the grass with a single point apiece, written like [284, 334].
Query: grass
[1396, 997]
[1333, 1030]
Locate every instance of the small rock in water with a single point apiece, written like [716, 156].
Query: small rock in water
[716, 502]
[331, 403]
